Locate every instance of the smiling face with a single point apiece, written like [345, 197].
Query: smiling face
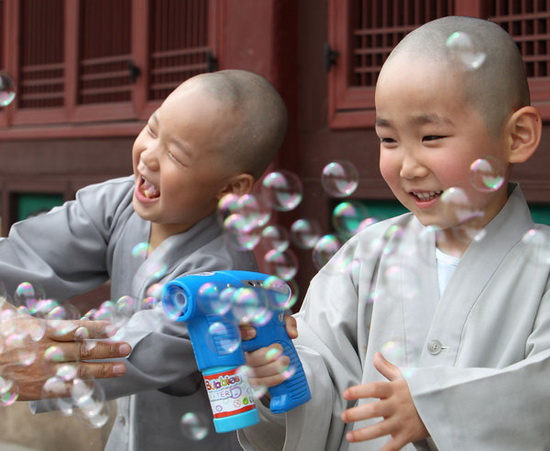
[178, 166]
[430, 135]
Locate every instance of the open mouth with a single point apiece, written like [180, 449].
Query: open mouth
[425, 196]
[149, 190]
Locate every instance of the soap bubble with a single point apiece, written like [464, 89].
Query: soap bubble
[249, 211]
[305, 233]
[282, 190]
[487, 174]
[279, 293]
[464, 50]
[250, 305]
[194, 426]
[325, 249]
[340, 178]
[276, 237]
[210, 300]
[401, 353]
[242, 218]
[348, 216]
[223, 339]
[281, 264]
[141, 250]
[537, 240]
[28, 295]
[457, 206]
[246, 372]
[7, 89]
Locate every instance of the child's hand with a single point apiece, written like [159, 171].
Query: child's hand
[395, 406]
[268, 365]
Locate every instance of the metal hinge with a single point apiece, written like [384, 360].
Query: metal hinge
[211, 62]
[330, 56]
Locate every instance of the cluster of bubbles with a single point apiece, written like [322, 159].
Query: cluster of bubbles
[250, 220]
[20, 335]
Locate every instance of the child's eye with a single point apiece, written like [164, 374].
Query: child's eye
[151, 132]
[432, 137]
[174, 158]
[387, 140]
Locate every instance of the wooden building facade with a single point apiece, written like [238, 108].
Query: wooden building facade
[90, 72]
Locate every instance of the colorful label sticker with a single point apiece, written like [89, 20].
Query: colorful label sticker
[229, 393]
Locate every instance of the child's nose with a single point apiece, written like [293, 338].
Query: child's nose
[149, 159]
[412, 167]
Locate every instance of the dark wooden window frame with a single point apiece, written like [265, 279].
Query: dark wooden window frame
[97, 120]
[353, 106]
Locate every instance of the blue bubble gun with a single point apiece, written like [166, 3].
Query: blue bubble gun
[212, 304]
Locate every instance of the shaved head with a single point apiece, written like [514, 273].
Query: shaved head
[259, 116]
[496, 85]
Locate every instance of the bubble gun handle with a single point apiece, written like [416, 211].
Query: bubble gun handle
[294, 391]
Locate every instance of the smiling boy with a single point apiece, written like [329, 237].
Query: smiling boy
[215, 134]
[462, 318]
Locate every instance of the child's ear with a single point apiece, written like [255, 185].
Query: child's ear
[525, 133]
[240, 184]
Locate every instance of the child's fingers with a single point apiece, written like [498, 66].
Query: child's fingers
[263, 356]
[291, 326]
[373, 409]
[248, 332]
[379, 390]
[385, 368]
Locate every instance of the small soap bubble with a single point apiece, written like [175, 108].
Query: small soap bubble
[305, 233]
[94, 414]
[153, 294]
[67, 372]
[246, 373]
[487, 174]
[10, 397]
[325, 249]
[250, 305]
[55, 387]
[223, 339]
[141, 250]
[7, 89]
[282, 190]
[288, 372]
[250, 212]
[348, 216]
[28, 295]
[54, 354]
[464, 49]
[394, 351]
[278, 293]
[82, 390]
[537, 241]
[194, 426]
[276, 237]
[239, 234]
[281, 264]
[210, 300]
[457, 206]
[340, 178]
[126, 306]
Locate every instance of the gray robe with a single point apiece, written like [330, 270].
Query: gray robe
[477, 360]
[86, 242]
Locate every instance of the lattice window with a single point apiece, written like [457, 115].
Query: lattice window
[105, 51]
[529, 24]
[364, 32]
[377, 27]
[179, 43]
[41, 57]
